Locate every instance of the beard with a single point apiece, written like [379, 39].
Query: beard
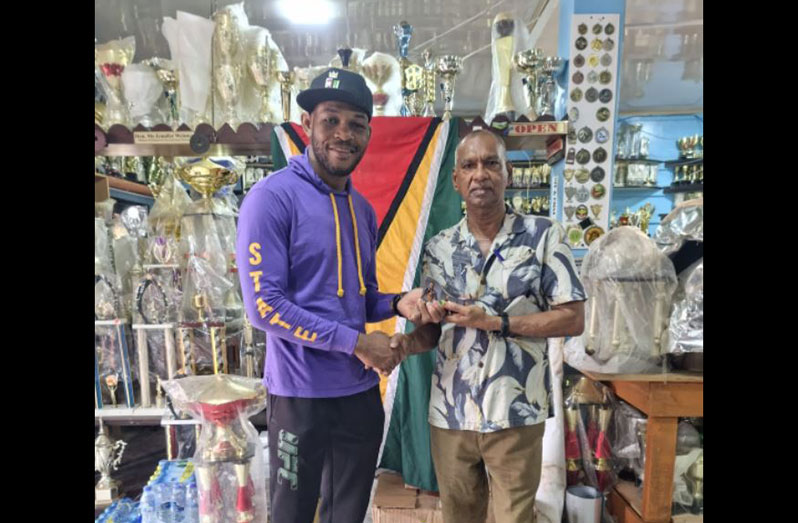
[339, 170]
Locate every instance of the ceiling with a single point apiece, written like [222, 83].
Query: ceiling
[662, 68]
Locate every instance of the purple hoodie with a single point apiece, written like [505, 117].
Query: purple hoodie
[301, 289]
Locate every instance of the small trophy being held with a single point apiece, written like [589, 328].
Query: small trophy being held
[107, 455]
[448, 66]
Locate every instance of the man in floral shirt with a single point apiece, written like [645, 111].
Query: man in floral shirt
[509, 283]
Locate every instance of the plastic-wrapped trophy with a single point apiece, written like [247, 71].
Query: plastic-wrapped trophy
[168, 75]
[142, 89]
[429, 84]
[227, 62]
[378, 69]
[207, 245]
[529, 63]
[111, 59]
[551, 66]
[504, 26]
[228, 460]
[412, 74]
[107, 455]
[286, 79]
[448, 67]
[261, 61]
[629, 284]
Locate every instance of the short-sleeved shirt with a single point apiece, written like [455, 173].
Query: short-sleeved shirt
[483, 382]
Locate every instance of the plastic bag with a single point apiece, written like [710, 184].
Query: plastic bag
[685, 222]
[686, 327]
[509, 35]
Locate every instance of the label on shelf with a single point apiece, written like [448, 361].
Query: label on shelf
[537, 128]
[162, 137]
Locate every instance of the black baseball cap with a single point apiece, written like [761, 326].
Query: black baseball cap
[337, 85]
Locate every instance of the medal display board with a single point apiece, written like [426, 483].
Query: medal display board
[592, 94]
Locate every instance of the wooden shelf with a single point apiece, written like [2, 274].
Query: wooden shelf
[692, 187]
[664, 398]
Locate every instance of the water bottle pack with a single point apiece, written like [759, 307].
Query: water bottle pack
[171, 494]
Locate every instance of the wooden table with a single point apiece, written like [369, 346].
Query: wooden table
[664, 398]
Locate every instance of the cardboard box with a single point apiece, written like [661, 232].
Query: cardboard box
[101, 189]
[396, 503]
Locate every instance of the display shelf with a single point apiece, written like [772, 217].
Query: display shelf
[540, 188]
[691, 187]
[647, 161]
[664, 398]
[523, 135]
[134, 416]
[637, 187]
[683, 161]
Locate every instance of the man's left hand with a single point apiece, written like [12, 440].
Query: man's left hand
[472, 316]
[407, 305]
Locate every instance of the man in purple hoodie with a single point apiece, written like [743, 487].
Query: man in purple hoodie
[306, 256]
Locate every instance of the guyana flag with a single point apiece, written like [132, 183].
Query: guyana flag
[406, 176]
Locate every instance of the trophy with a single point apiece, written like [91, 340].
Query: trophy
[379, 70]
[286, 79]
[107, 455]
[227, 47]
[412, 74]
[695, 482]
[448, 66]
[168, 76]
[207, 175]
[223, 403]
[529, 63]
[504, 26]
[111, 59]
[429, 85]
[546, 90]
[261, 61]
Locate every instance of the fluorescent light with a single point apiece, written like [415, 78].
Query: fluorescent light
[307, 12]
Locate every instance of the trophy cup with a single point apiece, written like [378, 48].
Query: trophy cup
[168, 76]
[261, 61]
[504, 26]
[448, 66]
[379, 70]
[227, 47]
[529, 63]
[286, 79]
[546, 90]
[111, 59]
[429, 85]
[412, 74]
[228, 440]
[107, 455]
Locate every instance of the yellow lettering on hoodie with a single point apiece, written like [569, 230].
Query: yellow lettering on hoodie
[263, 307]
[255, 275]
[254, 250]
[276, 320]
[304, 335]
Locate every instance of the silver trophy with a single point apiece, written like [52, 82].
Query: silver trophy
[448, 66]
[107, 455]
[529, 63]
[551, 66]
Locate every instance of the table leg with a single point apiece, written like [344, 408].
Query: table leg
[660, 461]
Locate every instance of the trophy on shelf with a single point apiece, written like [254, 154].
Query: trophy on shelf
[261, 61]
[429, 84]
[546, 91]
[223, 403]
[107, 455]
[286, 79]
[111, 59]
[379, 70]
[528, 62]
[227, 50]
[345, 56]
[448, 66]
[504, 25]
[412, 74]
[168, 75]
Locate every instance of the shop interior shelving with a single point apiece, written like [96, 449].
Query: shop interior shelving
[690, 187]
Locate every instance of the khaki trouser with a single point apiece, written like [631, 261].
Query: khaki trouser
[513, 459]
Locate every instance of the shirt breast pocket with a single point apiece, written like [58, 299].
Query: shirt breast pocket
[519, 272]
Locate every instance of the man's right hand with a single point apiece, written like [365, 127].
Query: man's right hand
[375, 352]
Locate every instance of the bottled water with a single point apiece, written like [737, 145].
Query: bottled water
[191, 511]
[148, 507]
[178, 501]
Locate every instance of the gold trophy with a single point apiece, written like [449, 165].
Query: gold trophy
[695, 482]
[261, 61]
[448, 66]
[168, 76]
[379, 70]
[286, 79]
[529, 63]
[111, 59]
[429, 85]
[504, 25]
[412, 74]
[227, 73]
[107, 455]
[207, 175]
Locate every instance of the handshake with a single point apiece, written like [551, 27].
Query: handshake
[382, 353]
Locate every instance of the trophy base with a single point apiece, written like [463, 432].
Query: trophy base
[546, 118]
[105, 496]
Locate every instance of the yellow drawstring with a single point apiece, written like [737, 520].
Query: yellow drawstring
[357, 248]
[338, 245]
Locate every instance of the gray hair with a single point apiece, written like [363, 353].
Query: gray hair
[500, 146]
